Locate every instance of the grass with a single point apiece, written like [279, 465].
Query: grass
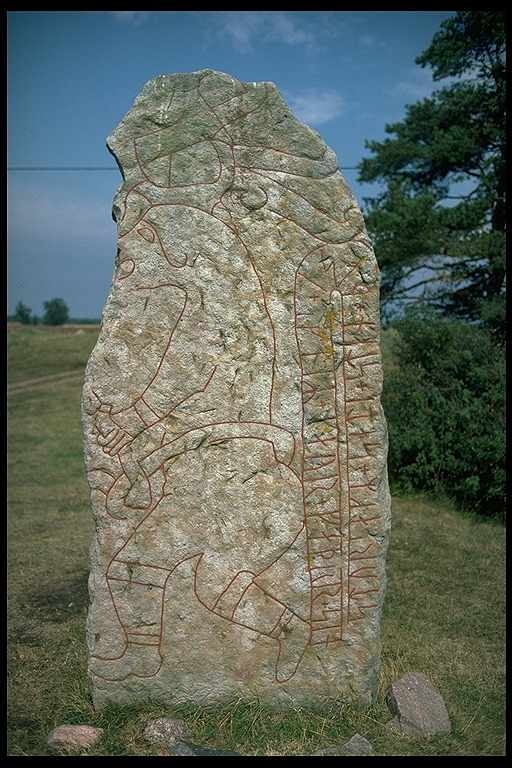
[444, 612]
[42, 350]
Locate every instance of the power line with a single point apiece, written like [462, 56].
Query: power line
[60, 168]
[103, 168]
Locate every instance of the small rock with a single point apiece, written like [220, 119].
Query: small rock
[357, 745]
[182, 748]
[164, 730]
[73, 737]
[418, 706]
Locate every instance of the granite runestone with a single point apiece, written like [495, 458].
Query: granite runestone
[235, 443]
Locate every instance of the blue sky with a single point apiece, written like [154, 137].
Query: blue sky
[73, 75]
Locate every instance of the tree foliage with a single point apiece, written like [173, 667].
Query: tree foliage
[445, 405]
[56, 312]
[23, 313]
[439, 225]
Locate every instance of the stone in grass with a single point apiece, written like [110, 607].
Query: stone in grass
[357, 745]
[181, 748]
[164, 730]
[68, 737]
[418, 707]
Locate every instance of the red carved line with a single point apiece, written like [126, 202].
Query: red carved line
[338, 459]
[170, 339]
[127, 274]
[319, 466]
[197, 392]
[232, 621]
[132, 581]
[311, 457]
[153, 183]
[286, 679]
[140, 415]
[303, 374]
[228, 586]
[281, 151]
[277, 622]
[143, 565]
[316, 373]
[317, 479]
[248, 254]
[281, 555]
[106, 471]
[355, 591]
[313, 490]
[210, 107]
[232, 617]
[286, 607]
[257, 169]
[222, 423]
[301, 274]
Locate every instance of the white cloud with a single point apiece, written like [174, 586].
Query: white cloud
[247, 28]
[135, 18]
[418, 85]
[314, 105]
[285, 28]
[370, 41]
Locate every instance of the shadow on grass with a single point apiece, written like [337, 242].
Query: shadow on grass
[58, 602]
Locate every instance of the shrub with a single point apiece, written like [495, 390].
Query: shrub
[56, 312]
[445, 405]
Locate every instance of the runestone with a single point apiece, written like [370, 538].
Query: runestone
[235, 443]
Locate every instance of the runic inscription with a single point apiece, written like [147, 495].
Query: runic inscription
[235, 443]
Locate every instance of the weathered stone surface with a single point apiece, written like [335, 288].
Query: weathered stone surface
[73, 737]
[419, 708]
[165, 730]
[235, 442]
[356, 745]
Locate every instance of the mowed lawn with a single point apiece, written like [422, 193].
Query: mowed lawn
[444, 611]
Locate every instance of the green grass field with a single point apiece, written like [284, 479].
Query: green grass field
[444, 612]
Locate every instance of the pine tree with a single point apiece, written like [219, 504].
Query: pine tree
[439, 225]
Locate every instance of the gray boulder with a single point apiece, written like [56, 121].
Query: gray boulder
[418, 707]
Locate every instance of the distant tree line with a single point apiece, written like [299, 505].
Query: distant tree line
[438, 229]
[56, 312]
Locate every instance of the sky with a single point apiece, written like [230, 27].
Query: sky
[73, 75]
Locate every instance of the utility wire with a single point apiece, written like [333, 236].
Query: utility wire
[60, 168]
[103, 168]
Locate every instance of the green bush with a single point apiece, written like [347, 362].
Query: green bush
[445, 405]
[56, 312]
